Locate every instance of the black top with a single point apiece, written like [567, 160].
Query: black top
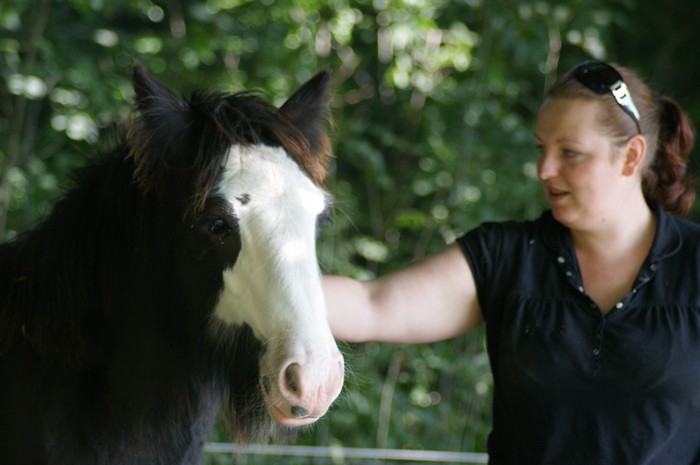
[572, 386]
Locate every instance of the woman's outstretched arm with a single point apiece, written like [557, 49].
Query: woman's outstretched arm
[431, 300]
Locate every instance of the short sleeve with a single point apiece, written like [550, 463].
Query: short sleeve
[487, 250]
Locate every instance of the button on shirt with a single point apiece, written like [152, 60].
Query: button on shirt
[572, 386]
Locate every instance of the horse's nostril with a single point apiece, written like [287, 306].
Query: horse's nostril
[299, 412]
[291, 376]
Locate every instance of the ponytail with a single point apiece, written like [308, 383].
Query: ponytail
[666, 180]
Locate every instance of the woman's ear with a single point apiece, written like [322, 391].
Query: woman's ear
[634, 152]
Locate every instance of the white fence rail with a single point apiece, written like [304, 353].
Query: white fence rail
[340, 455]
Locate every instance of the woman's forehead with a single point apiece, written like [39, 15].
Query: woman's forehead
[567, 117]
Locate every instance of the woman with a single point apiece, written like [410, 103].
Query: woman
[592, 311]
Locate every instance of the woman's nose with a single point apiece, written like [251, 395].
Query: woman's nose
[546, 166]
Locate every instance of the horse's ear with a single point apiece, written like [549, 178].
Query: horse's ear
[307, 109]
[157, 137]
[156, 103]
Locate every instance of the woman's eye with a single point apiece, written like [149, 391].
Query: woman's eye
[218, 226]
[569, 153]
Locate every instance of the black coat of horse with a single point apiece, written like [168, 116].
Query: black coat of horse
[161, 287]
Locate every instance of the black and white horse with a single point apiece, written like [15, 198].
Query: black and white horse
[178, 274]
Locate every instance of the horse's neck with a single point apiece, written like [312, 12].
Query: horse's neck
[51, 277]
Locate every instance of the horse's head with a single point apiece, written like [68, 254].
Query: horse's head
[252, 178]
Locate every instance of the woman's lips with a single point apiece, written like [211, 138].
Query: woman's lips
[554, 194]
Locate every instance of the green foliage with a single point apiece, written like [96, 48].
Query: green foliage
[434, 103]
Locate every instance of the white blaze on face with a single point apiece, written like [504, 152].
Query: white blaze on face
[276, 206]
[274, 286]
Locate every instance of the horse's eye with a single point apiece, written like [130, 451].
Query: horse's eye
[218, 226]
[324, 217]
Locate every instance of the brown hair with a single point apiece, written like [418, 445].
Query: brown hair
[666, 128]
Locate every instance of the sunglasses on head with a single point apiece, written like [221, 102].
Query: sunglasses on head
[602, 78]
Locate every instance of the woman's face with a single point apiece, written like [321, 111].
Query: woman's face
[581, 174]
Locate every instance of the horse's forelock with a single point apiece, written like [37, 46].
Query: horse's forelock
[245, 119]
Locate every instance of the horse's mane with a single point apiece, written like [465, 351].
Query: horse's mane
[56, 277]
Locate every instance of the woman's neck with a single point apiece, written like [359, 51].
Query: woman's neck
[610, 257]
[632, 230]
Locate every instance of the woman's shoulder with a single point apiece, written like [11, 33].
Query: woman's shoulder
[513, 237]
[688, 230]
[677, 236]
[687, 226]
